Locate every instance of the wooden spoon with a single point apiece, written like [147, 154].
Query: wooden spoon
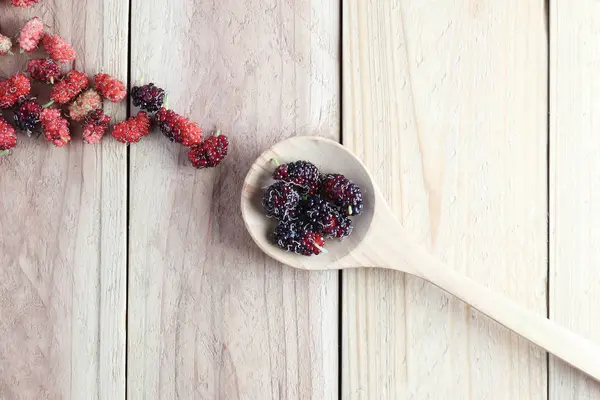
[378, 240]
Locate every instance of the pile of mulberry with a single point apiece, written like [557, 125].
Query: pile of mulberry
[310, 207]
[77, 98]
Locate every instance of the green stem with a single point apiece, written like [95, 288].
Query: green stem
[48, 104]
[275, 162]
[4, 153]
[217, 133]
[349, 210]
[322, 249]
[21, 51]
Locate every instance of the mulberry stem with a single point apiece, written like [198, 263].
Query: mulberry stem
[322, 249]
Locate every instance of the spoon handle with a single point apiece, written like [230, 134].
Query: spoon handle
[556, 339]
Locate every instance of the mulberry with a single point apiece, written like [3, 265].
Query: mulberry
[27, 115]
[110, 88]
[95, 126]
[178, 128]
[58, 48]
[87, 102]
[55, 127]
[43, 70]
[133, 129]
[69, 87]
[30, 34]
[210, 153]
[148, 97]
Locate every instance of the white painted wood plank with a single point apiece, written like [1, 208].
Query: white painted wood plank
[63, 230]
[209, 315]
[446, 103]
[574, 178]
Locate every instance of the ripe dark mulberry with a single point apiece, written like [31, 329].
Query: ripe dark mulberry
[320, 216]
[148, 97]
[301, 173]
[345, 194]
[27, 115]
[280, 200]
[289, 236]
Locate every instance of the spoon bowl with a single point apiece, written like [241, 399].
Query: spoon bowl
[330, 157]
[378, 240]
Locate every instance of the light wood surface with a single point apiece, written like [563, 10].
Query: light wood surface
[63, 232]
[574, 177]
[209, 315]
[448, 109]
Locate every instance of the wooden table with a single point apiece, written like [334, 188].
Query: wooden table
[125, 273]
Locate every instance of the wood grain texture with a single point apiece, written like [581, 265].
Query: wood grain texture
[209, 315]
[448, 109]
[62, 224]
[574, 178]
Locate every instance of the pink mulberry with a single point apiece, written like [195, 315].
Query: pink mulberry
[31, 33]
[58, 49]
[5, 45]
[87, 102]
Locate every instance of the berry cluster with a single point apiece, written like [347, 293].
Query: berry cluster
[77, 98]
[310, 207]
